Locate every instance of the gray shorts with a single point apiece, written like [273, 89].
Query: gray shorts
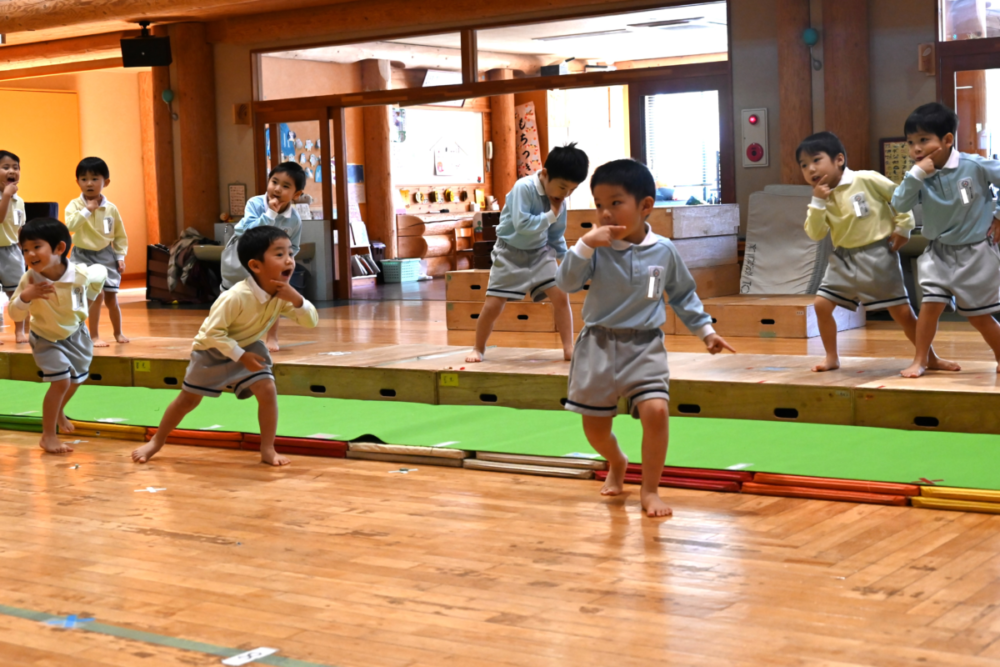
[968, 275]
[610, 363]
[66, 359]
[231, 269]
[11, 267]
[210, 372]
[869, 276]
[105, 258]
[517, 273]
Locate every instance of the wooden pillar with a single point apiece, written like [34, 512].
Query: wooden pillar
[344, 284]
[846, 77]
[795, 85]
[195, 95]
[381, 222]
[504, 136]
[158, 156]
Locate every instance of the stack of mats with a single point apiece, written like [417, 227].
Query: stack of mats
[823, 488]
[546, 466]
[15, 423]
[413, 455]
[729, 481]
[298, 446]
[961, 500]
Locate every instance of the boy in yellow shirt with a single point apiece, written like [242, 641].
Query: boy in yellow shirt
[855, 208]
[228, 351]
[99, 239]
[57, 293]
[12, 218]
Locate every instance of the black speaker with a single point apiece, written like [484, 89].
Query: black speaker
[146, 52]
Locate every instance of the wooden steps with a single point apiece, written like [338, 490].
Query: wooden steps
[776, 316]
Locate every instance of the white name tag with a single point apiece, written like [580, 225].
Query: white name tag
[19, 218]
[965, 189]
[79, 299]
[861, 208]
[109, 224]
[654, 284]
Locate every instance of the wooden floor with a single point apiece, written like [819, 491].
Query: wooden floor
[343, 562]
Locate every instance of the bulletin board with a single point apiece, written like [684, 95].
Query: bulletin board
[894, 157]
[439, 147]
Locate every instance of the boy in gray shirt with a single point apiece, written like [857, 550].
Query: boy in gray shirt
[620, 351]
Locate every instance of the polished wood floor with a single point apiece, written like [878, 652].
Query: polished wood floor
[343, 562]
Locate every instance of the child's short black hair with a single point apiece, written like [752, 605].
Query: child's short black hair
[255, 242]
[294, 170]
[13, 157]
[634, 177]
[934, 117]
[568, 163]
[93, 165]
[49, 230]
[821, 142]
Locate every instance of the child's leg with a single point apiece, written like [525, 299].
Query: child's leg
[115, 315]
[927, 323]
[904, 317]
[172, 416]
[990, 330]
[564, 319]
[94, 321]
[65, 425]
[492, 308]
[51, 409]
[272, 337]
[828, 333]
[654, 415]
[267, 416]
[600, 437]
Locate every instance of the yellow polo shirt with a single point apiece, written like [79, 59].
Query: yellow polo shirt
[60, 315]
[97, 230]
[866, 192]
[13, 222]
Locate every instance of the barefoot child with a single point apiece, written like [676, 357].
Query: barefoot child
[529, 241]
[864, 269]
[99, 239]
[285, 184]
[11, 220]
[962, 262]
[620, 351]
[58, 294]
[227, 350]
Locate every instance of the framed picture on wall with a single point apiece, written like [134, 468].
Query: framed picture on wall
[894, 158]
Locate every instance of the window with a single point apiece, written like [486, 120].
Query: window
[682, 146]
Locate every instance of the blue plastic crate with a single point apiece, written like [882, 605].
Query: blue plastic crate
[401, 270]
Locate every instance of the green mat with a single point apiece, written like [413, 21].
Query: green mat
[847, 452]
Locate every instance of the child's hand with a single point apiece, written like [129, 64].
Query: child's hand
[994, 234]
[92, 204]
[716, 343]
[927, 163]
[600, 237]
[556, 204]
[288, 293]
[43, 291]
[821, 190]
[121, 266]
[897, 241]
[10, 190]
[274, 203]
[252, 362]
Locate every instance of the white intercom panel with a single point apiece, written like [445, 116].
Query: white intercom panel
[755, 151]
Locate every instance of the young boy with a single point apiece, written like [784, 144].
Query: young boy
[864, 270]
[962, 262]
[285, 184]
[57, 293]
[227, 351]
[620, 351]
[99, 239]
[529, 241]
[11, 220]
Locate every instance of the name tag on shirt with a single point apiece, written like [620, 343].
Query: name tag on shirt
[79, 299]
[109, 224]
[654, 283]
[965, 190]
[861, 208]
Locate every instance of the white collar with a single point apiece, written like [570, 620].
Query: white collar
[953, 160]
[621, 244]
[104, 200]
[68, 276]
[257, 290]
[538, 183]
[846, 178]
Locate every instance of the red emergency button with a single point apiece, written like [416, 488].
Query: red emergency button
[755, 152]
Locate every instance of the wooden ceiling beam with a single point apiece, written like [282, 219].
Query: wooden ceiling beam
[64, 68]
[60, 51]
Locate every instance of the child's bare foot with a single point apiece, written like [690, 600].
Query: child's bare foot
[65, 425]
[272, 344]
[146, 452]
[20, 338]
[936, 363]
[120, 338]
[614, 485]
[654, 505]
[568, 353]
[273, 458]
[99, 342]
[474, 357]
[914, 370]
[53, 445]
[829, 364]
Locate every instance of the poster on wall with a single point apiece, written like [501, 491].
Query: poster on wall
[448, 160]
[398, 131]
[529, 157]
[895, 158]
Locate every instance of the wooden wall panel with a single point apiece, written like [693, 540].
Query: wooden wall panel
[846, 85]
[795, 85]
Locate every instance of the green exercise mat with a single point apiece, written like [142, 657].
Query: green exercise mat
[847, 452]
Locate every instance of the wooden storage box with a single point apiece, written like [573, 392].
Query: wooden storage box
[778, 316]
[516, 316]
[677, 222]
